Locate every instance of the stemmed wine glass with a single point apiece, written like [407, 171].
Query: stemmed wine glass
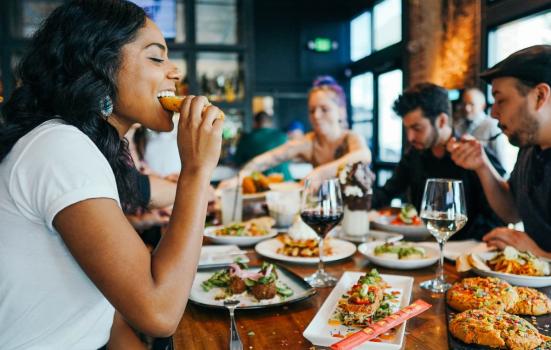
[321, 209]
[443, 211]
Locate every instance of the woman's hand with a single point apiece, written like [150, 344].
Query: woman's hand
[199, 134]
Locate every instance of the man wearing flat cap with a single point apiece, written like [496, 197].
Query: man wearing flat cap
[521, 86]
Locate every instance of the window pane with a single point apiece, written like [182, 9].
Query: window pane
[390, 125]
[216, 22]
[387, 23]
[360, 36]
[361, 87]
[366, 130]
[517, 35]
[30, 14]
[233, 124]
[180, 22]
[382, 176]
[163, 13]
[220, 76]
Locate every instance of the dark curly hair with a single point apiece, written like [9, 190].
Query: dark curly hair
[71, 64]
[431, 98]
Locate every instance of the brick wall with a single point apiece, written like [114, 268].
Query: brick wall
[444, 42]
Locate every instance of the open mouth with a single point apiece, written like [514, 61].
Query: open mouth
[170, 101]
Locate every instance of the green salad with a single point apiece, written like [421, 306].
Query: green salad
[400, 251]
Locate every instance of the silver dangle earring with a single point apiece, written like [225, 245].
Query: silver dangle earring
[106, 107]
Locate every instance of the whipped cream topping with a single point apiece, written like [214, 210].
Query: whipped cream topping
[299, 231]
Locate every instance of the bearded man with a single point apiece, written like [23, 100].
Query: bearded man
[425, 110]
[521, 86]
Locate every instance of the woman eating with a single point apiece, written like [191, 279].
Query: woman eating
[68, 256]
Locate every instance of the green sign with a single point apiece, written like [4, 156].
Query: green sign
[322, 44]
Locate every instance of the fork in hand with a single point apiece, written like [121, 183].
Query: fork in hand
[235, 341]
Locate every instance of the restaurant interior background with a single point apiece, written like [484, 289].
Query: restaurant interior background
[247, 55]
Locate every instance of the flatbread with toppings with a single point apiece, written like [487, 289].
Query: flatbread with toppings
[530, 302]
[496, 329]
[478, 292]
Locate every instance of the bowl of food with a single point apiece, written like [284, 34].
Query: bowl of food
[400, 255]
[516, 267]
[404, 220]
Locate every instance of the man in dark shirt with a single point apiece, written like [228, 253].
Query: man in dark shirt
[521, 86]
[425, 110]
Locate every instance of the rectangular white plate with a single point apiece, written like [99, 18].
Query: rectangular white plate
[319, 331]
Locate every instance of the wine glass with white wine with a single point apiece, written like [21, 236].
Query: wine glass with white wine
[443, 211]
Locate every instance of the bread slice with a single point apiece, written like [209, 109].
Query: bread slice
[477, 262]
[462, 263]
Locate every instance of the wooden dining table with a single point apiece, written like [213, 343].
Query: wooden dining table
[282, 327]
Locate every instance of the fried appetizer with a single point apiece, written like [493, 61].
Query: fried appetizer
[496, 329]
[530, 302]
[305, 248]
[359, 305]
[173, 103]
[479, 292]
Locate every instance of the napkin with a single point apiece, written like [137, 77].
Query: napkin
[215, 255]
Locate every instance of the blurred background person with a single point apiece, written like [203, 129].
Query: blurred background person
[327, 147]
[295, 130]
[262, 138]
[474, 121]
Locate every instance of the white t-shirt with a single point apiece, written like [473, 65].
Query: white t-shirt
[46, 299]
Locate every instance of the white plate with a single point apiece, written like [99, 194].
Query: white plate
[237, 240]
[220, 255]
[341, 249]
[453, 249]
[371, 235]
[517, 280]
[401, 264]
[410, 232]
[319, 331]
[259, 195]
[285, 186]
[301, 289]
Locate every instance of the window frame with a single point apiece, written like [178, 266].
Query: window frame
[380, 62]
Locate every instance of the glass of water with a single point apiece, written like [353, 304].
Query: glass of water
[443, 211]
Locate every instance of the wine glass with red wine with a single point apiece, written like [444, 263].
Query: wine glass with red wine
[321, 209]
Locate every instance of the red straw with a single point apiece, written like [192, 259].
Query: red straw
[381, 326]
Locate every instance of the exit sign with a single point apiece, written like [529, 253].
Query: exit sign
[322, 45]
